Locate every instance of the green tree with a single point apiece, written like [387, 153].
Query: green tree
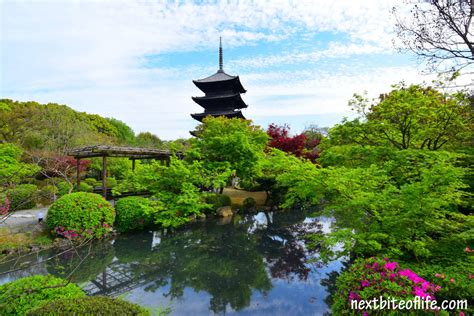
[148, 140]
[12, 170]
[232, 143]
[125, 134]
[412, 116]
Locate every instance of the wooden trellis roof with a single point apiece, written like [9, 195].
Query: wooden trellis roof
[117, 151]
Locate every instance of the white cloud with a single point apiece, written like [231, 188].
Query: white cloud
[89, 55]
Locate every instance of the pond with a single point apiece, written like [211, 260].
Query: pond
[255, 264]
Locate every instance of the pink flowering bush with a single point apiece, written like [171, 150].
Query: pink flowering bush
[375, 277]
[81, 215]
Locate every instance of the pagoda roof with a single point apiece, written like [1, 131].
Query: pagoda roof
[218, 78]
[228, 113]
[233, 100]
[220, 75]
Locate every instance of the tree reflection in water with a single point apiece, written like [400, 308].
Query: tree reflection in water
[228, 261]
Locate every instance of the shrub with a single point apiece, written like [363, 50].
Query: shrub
[63, 188]
[18, 297]
[89, 305]
[371, 278]
[92, 182]
[111, 182]
[133, 213]
[84, 187]
[217, 200]
[47, 193]
[23, 196]
[249, 203]
[81, 214]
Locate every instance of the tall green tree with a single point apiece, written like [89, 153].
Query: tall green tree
[414, 116]
[233, 143]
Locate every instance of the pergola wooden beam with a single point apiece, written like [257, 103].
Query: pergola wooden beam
[133, 153]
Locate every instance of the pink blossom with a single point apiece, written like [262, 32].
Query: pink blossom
[452, 280]
[353, 296]
[365, 283]
[390, 266]
[392, 276]
[418, 291]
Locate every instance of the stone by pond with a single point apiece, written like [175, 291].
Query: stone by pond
[256, 264]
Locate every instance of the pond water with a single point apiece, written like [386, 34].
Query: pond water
[256, 264]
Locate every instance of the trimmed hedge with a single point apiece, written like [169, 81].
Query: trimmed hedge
[18, 297]
[81, 214]
[132, 213]
[90, 305]
[23, 196]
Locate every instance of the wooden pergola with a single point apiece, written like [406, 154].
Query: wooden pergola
[132, 153]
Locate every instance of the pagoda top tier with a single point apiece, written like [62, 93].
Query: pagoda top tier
[220, 81]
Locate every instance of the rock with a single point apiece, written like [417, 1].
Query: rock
[224, 211]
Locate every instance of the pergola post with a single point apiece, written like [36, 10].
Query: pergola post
[133, 165]
[78, 174]
[104, 176]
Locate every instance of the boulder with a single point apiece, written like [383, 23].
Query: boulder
[224, 211]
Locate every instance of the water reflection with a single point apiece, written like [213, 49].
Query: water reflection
[254, 264]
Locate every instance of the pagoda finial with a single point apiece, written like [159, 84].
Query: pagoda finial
[221, 63]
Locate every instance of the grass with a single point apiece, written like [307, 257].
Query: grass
[22, 241]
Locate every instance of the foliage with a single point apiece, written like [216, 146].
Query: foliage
[80, 214]
[133, 213]
[125, 134]
[22, 295]
[64, 167]
[176, 190]
[12, 170]
[217, 200]
[249, 203]
[117, 168]
[373, 278]
[90, 305]
[402, 208]
[229, 143]
[23, 196]
[415, 116]
[148, 140]
[299, 145]
[92, 182]
[457, 282]
[438, 31]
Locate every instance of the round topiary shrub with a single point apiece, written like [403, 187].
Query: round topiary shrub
[249, 203]
[90, 305]
[23, 196]
[81, 214]
[18, 297]
[132, 213]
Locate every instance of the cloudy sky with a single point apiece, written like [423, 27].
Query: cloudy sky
[300, 61]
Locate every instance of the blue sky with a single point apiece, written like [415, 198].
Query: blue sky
[300, 61]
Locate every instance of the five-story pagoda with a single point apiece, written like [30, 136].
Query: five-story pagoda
[222, 94]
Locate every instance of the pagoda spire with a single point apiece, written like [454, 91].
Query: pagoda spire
[221, 63]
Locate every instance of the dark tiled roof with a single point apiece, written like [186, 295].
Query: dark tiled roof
[218, 76]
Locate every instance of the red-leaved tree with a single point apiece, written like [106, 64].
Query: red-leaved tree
[299, 145]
